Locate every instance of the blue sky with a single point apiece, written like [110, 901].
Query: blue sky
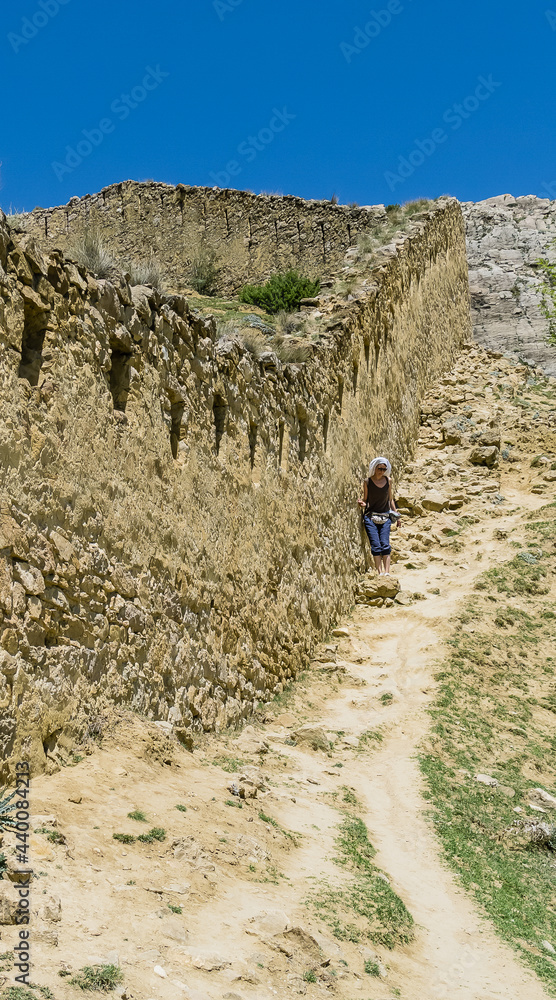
[374, 101]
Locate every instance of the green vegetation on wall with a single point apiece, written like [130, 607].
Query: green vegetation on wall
[282, 293]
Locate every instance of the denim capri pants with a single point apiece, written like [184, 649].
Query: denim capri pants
[379, 536]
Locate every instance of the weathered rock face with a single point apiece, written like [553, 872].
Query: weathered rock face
[178, 520]
[253, 236]
[505, 237]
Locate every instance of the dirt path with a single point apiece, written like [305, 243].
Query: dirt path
[456, 953]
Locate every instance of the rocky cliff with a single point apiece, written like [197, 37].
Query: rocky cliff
[505, 238]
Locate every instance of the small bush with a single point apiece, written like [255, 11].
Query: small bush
[157, 833]
[175, 909]
[90, 252]
[286, 323]
[138, 816]
[310, 976]
[205, 272]
[182, 809]
[372, 968]
[124, 838]
[55, 837]
[98, 977]
[254, 341]
[290, 351]
[146, 272]
[283, 292]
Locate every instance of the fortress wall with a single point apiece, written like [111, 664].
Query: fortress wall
[177, 520]
[253, 235]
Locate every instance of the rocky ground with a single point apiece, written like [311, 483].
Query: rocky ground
[294, 856]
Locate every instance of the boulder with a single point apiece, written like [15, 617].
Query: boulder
[485, 456]
[486, 779]
[314, 735]
[375, 586]
[539, 797]
[8, 908]
[436, 501]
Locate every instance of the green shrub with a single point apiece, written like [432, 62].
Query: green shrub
[182, 809]
[372, 968]
[157, 833]
[98, 977]
[283, 292]
[124, 838]
[138, 815]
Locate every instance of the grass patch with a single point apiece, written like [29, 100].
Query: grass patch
[365, 908]
[272, 822]
[53, 836]
[349, 797]
[124, 838]
[372, 968]
[229, 764]
[369, 737]
[91, 253]
[157, 833]
[138, 816]
[98, 977]
[180, 808]
[489, 717]
[175, 909]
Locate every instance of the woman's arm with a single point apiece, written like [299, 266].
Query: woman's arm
[393, 502]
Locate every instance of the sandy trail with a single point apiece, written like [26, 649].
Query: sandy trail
[456, 953]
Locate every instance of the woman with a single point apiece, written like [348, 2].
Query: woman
[377, 502]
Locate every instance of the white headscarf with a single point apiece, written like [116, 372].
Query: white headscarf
[380, 461]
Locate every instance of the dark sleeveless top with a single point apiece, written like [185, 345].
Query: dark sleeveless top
[378, 501]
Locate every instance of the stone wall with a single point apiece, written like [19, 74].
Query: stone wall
[505, 238]
[177, 519]
[252, 235]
